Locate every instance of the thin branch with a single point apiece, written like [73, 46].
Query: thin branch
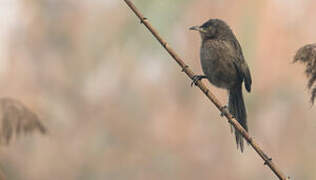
[205, 90]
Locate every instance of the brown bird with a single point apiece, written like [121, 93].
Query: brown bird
[224, 66]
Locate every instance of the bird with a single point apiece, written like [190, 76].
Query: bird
[225, 67]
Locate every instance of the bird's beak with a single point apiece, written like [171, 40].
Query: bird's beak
[197, 28]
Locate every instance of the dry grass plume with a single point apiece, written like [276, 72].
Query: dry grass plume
[307, 55]
[15, 119]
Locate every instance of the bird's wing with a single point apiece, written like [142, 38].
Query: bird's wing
[240, 63]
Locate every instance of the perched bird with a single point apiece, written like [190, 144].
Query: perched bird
[225, 67]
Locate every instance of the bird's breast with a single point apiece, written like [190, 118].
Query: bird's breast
[217, 63]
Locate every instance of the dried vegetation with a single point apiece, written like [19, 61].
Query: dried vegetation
[16, 119]
[307, 55]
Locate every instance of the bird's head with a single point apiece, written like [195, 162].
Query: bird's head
[214, 29]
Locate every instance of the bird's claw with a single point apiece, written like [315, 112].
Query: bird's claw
[197, 78]
[224, 110]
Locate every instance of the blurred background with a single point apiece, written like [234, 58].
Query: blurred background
[116, 106]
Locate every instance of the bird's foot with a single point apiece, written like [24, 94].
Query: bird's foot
[197, 78]
[224, 110]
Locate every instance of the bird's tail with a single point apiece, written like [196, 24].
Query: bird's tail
[237, 108]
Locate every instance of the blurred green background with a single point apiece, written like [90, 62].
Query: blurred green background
[118, 107]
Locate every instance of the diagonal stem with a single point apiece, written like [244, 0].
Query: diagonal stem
[209, 95]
